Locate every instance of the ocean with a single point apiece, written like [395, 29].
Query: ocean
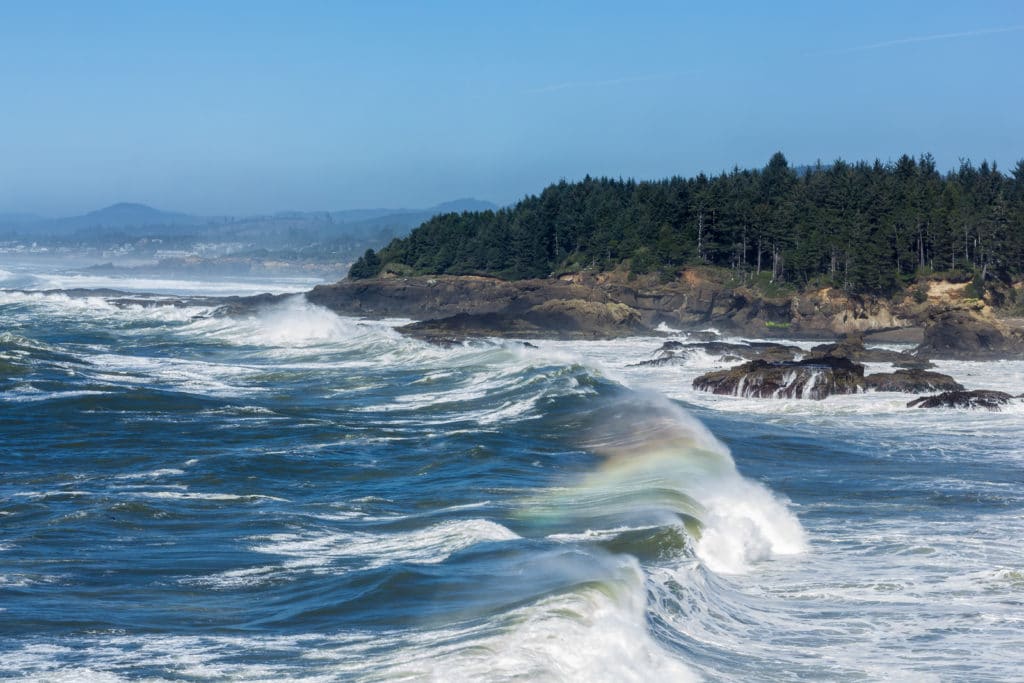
[289, 494]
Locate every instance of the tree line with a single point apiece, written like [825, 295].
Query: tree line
[864, 227]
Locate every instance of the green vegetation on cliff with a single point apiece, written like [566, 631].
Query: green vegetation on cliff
[863, 227]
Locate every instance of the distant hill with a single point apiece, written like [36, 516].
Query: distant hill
[128, 214]
[133, 220]
[125, 215]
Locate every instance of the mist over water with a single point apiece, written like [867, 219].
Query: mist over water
[289, 494]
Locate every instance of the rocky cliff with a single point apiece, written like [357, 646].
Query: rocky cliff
[612, 304]
[695, 299]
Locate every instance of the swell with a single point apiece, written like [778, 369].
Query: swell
[488, 509]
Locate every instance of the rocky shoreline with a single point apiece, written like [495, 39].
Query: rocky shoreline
[696, 298]
[609, 305]
[943, 324]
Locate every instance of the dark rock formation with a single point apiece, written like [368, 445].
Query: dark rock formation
[753, 350]
[670, 353]
[912, 382]
[674, 351]
[699, 297]
[981, 398]
[810, 378]
[245, 305]
[917, 364]
[852, 347]
[564, 318]
[962, 332]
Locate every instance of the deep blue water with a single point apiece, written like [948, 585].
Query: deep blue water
[286, 494]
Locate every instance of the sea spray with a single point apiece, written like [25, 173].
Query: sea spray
[660, 466]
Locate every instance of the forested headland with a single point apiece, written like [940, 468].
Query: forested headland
[863, 227]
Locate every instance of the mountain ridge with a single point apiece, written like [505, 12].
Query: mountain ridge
[135, 216]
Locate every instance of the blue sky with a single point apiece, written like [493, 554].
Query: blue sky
[227, 108]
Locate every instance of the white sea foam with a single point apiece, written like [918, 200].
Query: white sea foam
[589, 634]
[26, 393]
[98, 308]
[290, 324]
[428, 545]
[221, 497]
[744, 524]
[174, 286]
[154, 474]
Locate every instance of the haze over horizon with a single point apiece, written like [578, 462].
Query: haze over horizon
[248, 108]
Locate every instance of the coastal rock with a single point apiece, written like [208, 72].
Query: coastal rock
[980, 398]
[852, 347]
[967, 333]
[457, 328]
[912, 382]
[586, 318]
[752, 350]
[916, 364]
[670, 353]
[418, 297]
[699, 297]
[564, 318]
[838, 313]
[810, 378]
[673, 352]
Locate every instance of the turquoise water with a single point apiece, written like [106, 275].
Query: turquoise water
[289, 494]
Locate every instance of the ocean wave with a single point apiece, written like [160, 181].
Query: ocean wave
[661, 467]
[596, 632]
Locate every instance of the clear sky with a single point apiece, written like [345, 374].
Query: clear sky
[240, 107]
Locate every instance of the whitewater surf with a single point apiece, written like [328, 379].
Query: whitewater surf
[283, 493]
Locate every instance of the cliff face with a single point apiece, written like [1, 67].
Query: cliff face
[693, 300]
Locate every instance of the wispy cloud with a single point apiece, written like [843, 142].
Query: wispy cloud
[555, 87]
[928, 39]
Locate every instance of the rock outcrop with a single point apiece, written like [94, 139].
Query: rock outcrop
[811, 378]
[852, 346]
[674, 352]
[981, 398]
[912, 382]
[817, 377]
[562, 318]
[698, 298]
[968, 333]
[670, 353]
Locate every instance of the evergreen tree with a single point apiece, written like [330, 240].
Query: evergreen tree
[864, 227]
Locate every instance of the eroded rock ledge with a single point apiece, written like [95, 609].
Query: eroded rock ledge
[695, 299]
[611, 305]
